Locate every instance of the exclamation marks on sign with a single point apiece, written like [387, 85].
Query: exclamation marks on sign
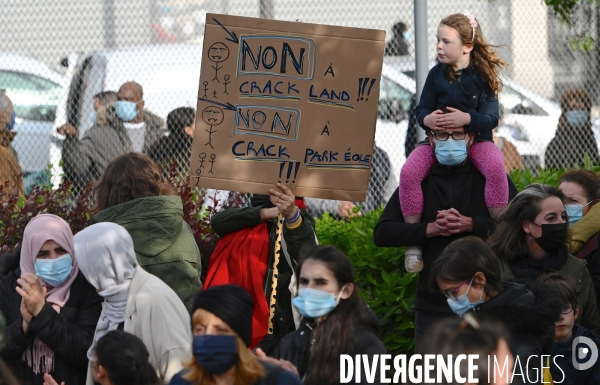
[362, 85]
[296, 171]
[292, 166]
[281, 167]
[360, 89]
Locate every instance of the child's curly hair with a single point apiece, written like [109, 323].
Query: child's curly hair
[483, 56]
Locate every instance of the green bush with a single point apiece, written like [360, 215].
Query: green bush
[379, 272]
[526, 177]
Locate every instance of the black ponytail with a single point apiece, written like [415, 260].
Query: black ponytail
[125, 358]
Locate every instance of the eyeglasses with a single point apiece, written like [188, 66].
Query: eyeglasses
[452, 293]
[568, 309]
[444, 135]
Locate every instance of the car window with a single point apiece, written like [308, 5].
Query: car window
[33, 97]
[394, 100]
[410, 73]
[515, 103]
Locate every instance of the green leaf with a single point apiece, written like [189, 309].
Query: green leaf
[587, 161]
[582, 43]
[385, 276]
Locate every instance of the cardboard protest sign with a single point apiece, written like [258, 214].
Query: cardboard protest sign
[287, 102]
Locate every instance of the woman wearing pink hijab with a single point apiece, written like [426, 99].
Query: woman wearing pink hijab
[51, 311]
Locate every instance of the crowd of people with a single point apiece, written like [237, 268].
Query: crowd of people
[484, 251]
[502, 273]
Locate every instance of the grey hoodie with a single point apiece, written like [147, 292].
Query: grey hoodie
[87, 158]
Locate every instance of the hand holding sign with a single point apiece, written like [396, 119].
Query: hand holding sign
[284, 199]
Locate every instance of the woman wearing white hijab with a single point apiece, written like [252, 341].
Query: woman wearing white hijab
[134, 300]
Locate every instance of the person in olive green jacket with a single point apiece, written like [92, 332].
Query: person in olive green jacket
[531, 239]
[133, 194]
[297, 236]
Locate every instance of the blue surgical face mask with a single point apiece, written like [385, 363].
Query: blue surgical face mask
[451, 152]
[577, 118]
[462, 303]
[575, 212]
[126, 110]
[406, 35]
[215, 353]
[54, 271]
[11, 125]
[316, 303]
[93, 117]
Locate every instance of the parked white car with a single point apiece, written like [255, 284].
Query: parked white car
[530, 121]
[34, 89]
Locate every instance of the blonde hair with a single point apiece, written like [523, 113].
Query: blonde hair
[483, 56]
[247, 370]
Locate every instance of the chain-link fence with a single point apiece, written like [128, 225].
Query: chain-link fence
[59, 59]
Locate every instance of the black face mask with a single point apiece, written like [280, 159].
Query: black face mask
[553, 236]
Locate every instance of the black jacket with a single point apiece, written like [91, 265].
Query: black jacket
[295, 347]
[571, 268]
[69, 334]
[468, 94]
[528, 312]
[411, 141]
[459, 187]
[562, 363]
[569, 146]
[591, 253]
[169, 149]
[274, 376]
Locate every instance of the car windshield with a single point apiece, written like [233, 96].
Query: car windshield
[516, 103]
[33, 97]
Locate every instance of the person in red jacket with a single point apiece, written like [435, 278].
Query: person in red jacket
[259, 249]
